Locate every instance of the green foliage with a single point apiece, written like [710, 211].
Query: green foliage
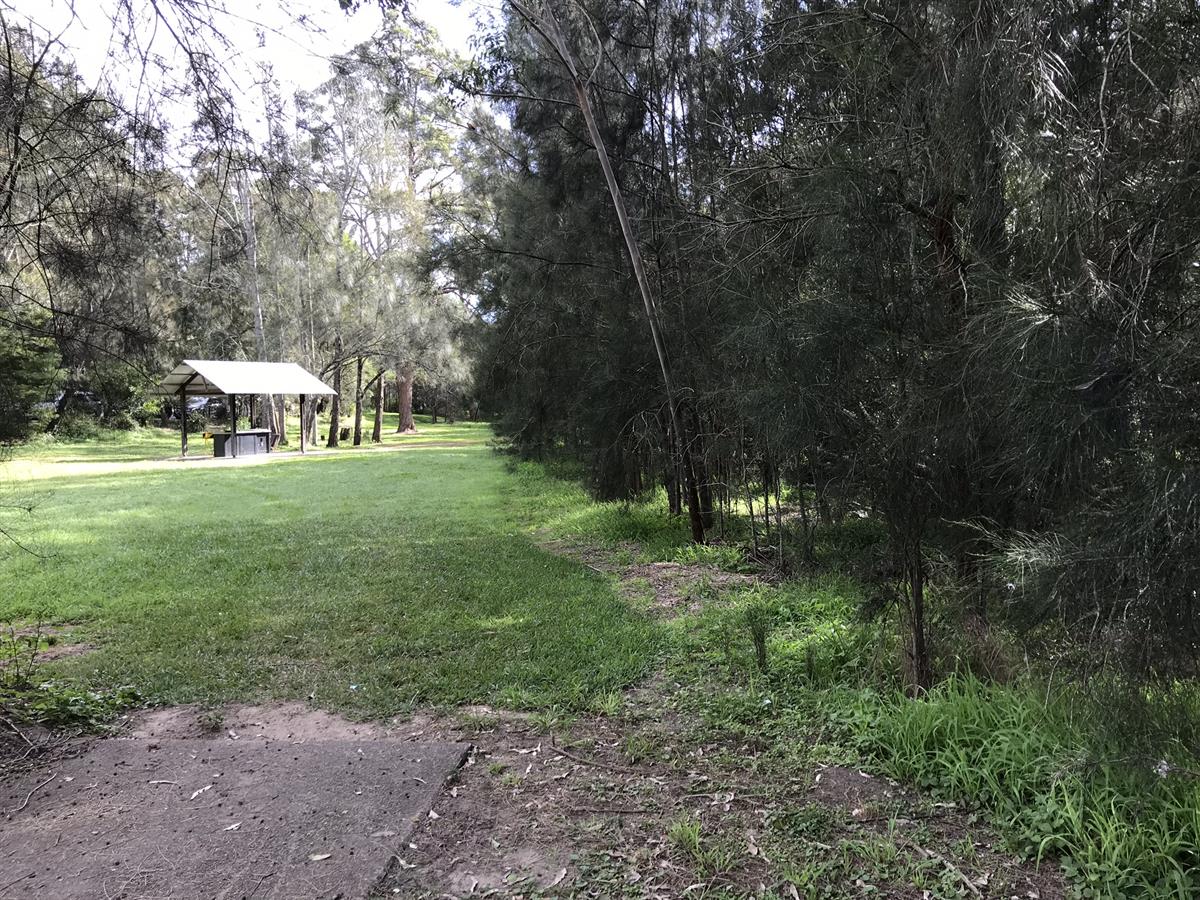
[28, 374]
[66, 704]
[724, 556]
[78, 427]
[1119, 828]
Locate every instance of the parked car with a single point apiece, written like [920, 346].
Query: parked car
[75, 401]
[211, 408]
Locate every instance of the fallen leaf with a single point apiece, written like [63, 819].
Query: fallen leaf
[234, 827]
[317, 857]
[558, 878]
[195, 794]
[433, 815]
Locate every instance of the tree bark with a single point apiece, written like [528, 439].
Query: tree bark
[281, 418]
[335, 402]
[377, 430]
[358, 400]
[404, 388]
[263, 415]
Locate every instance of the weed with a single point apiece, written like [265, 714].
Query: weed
[554, 719]
[812, 822]
[608, 704]
[1013, 752]
[19, 648]
[64, 704]
[684, 835]
[479, 723]
[211, 720]
[638, 748]
[757, 614]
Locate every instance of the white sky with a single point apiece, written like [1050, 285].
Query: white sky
[295, 37]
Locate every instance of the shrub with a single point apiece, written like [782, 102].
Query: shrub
[120, 421]
[77, 426]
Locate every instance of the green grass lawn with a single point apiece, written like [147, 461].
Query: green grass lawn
[157, 443]
[368, 581]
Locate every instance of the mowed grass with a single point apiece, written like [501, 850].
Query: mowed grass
[368, 582]
[153, 442]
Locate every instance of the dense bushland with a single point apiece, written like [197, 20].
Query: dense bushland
[794, 669]
[934, 263]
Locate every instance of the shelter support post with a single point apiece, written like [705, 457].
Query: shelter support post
[270, 417]
[183, 420]
[303, 424]
[233, 424]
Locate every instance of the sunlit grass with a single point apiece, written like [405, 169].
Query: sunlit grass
[47, 457]
[367, 581]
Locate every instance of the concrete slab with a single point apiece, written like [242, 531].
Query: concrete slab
[136, 819]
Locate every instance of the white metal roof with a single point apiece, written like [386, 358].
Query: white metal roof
[208, 377]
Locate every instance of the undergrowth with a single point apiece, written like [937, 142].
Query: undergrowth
[793, 668]
[1037, 763]
[29, 696]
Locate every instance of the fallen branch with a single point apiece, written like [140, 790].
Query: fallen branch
[598, 763]
[954, 870]
[29, 796]
[17, 730]
[5, 887]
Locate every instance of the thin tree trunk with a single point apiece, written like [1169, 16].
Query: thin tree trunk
[554, 37]
[377, 430]
[358, 399]
[922, 666]
[261, 410]
[335, 402]
[281, 418]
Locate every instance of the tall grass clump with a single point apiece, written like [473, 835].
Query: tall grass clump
[1120, 827]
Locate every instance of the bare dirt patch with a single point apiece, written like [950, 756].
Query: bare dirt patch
[670, 588]
[294, 722]
[857, 791]
[581, 812]
[299, 803]
[26, 645]
[604, 807]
